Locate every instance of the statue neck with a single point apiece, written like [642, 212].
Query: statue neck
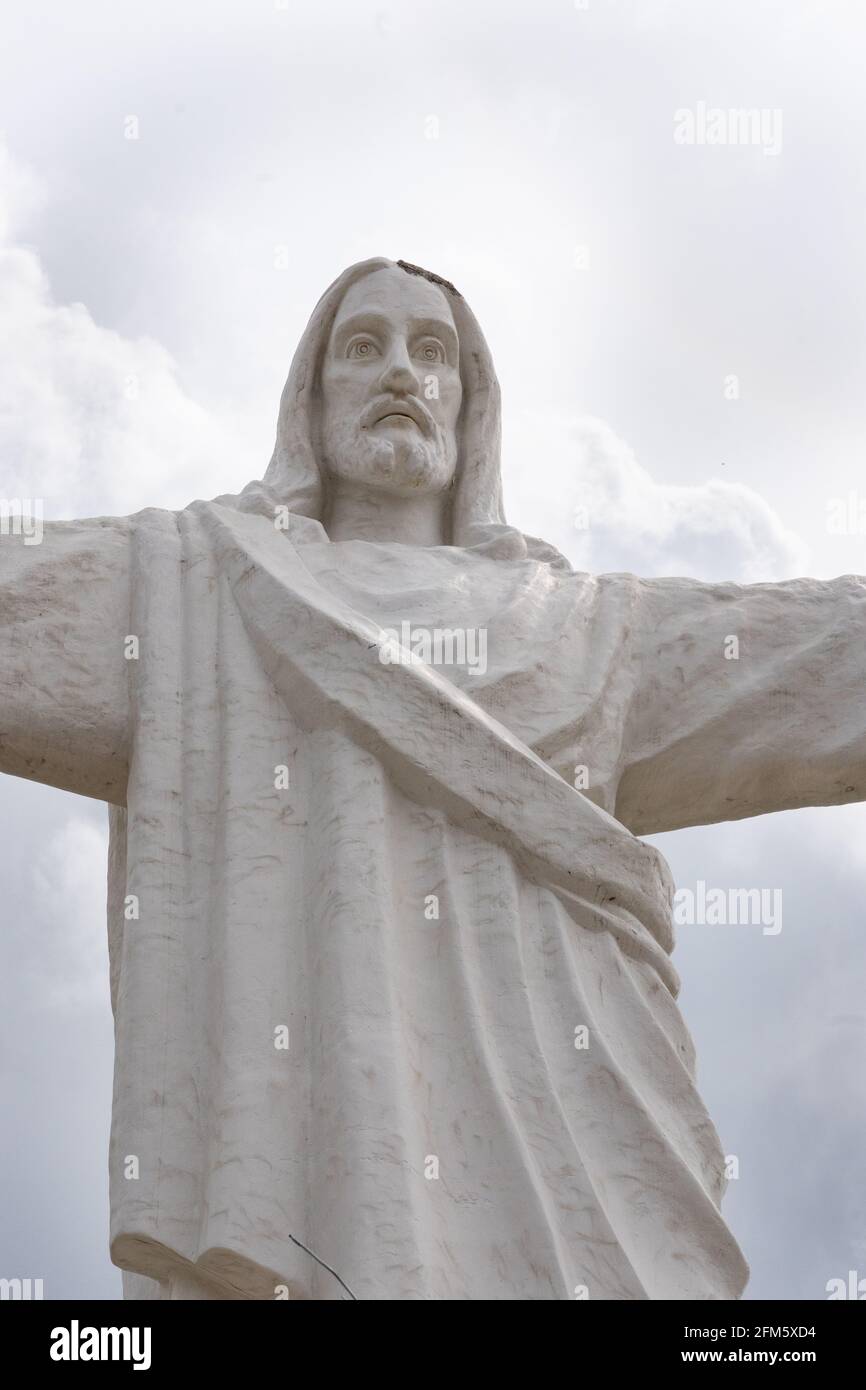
[365, 514]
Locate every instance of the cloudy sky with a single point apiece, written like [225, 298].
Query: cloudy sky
[679, 333]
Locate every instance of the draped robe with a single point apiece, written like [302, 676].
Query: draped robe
[432, 1130]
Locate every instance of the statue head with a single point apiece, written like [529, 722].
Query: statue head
[390, 388]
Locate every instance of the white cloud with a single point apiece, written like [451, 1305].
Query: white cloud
[90, 421]
[606, 512]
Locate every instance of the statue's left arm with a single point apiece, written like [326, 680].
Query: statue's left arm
[744, 699]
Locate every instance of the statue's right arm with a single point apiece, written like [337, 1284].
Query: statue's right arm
[64, 614]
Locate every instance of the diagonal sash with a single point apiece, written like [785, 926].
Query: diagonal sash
[437, 744]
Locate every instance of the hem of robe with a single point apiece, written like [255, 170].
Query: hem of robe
[232, 1276]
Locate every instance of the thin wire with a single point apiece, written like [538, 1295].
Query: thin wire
[324, 1266]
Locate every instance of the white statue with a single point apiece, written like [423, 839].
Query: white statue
[395, 1014]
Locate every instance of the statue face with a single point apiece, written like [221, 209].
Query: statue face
[391, 387]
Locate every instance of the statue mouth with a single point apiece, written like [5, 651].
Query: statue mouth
[397, 415]
[387, 410]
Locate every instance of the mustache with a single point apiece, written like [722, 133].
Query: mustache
[398, 405]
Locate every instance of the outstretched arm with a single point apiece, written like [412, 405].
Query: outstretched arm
[64, 606]
[747, 699]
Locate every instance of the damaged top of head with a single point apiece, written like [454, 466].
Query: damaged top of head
[429, 275]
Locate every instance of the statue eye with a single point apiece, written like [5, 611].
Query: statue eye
[361, 347]
[431, 350]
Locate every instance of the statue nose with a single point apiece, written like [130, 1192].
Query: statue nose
[398, 374]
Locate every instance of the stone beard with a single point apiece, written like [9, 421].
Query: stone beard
[395, 1015]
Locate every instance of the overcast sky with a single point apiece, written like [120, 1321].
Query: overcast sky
[679, 333]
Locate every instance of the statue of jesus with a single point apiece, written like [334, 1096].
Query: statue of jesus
[395, 1015]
